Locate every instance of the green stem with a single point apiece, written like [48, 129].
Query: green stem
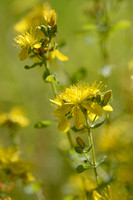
[92, 150]
[93, 155]
[54, 92]
[52, 84]
[70, 139]
[87, 158]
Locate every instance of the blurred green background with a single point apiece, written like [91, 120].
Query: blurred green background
[26, 89]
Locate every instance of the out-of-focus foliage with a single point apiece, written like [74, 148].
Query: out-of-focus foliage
[97, 36]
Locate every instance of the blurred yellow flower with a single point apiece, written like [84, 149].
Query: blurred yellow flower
[41, 15]
[8, 155]
[13, 167]
[130, 64]
[80, 183]
[111, 137]
[76, 99]
[31, 42]
[96, 195]
[14, 118]
[7, 198]
[108, 193]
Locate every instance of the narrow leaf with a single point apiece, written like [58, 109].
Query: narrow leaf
[50, 79]
[78, 150]
[88, 149]
[99, 124]
[76, 130]
[44, 124]
[123, 24]
[82, 168]
[45, 74]
[90, 27]
[32, 66]
[102, 160]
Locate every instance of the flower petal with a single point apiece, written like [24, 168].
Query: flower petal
[78, 117]
[23, 53]
[37, 46]
[63, 110]
[93, 107]
[63, 124]
[92, 117]
[60, 56]
[107, 108]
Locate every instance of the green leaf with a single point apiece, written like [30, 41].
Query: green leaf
[102, 161]
[88, 149]
[46, 73]
[51, 79]
[44, 124]
[90, 27]
[32, 66]
[78, 150]
[99, 124]
[123, 24]
[76, 130]
[82, 168]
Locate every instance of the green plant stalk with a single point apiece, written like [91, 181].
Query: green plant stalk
[54, 92]
[70, 139]
[93, 155]
[52, 84]
[46, 65]
[92, 150]
[87, 158]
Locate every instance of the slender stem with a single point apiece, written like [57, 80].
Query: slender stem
[92, 150]
[70, 139]
[93, 155]
[54, 92]
[52, 84]
[87, 158]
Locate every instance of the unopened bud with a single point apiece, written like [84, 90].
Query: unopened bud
[106, 98]
[80, 142]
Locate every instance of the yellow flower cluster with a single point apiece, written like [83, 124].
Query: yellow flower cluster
[31, 42]
[13, 167]
[112, 139]
[38, 31]
[108, 194]
[40, 15]
[14, 118]
[78, 100]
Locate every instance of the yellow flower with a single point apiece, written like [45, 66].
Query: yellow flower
[8, 155]
[56, 54]
[130, 64]
[41, 15]
[112, 137]
[75, 101]
[13, 167]
[21, 170]
[13, 118]
[96, 195]
[8, 198]
[30, 42]
[50, 17]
